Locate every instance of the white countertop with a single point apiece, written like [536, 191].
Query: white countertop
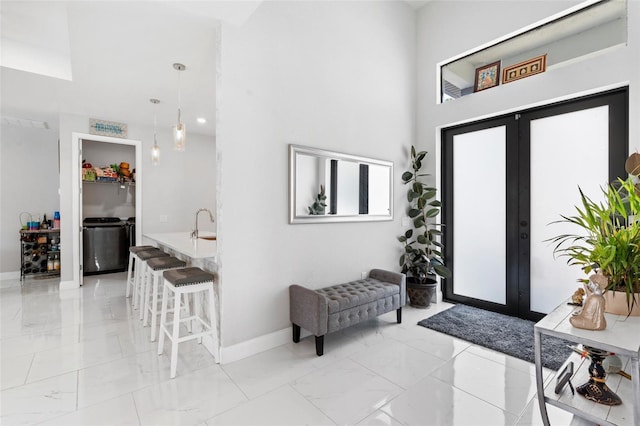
[183, 243]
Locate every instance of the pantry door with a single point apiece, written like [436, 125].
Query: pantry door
[506, 180]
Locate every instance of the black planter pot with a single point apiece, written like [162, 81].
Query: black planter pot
[420, 293]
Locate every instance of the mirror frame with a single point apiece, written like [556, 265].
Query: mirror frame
[294, 150]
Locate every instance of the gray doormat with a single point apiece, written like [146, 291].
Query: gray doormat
[510, 335]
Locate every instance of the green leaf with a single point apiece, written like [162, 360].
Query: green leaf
[430, 193]
[409, 233]
[402, 238]
[442, 271]
[413, 213]
[418, 222]
[417, 188]
[422, 240]
[402, 260]
[435, 203]
[432, 212]
[407, 176]
[413, 151]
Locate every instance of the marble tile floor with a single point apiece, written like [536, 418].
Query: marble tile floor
[82, 357]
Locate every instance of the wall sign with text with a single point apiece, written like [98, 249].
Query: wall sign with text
[107, 128]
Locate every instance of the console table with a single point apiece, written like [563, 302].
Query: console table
[622, 336]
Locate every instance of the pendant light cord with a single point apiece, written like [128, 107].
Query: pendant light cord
[179, 109]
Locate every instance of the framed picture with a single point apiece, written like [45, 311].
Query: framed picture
[524, 69]
[487, 76]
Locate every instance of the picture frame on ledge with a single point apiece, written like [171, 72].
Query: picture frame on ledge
[487, 76]
[524, 69]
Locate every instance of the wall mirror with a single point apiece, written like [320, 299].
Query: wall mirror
[327, 186]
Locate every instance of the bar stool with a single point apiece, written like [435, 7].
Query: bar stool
[184, 282]
[141, 274]
[132, 257]
[156, 267]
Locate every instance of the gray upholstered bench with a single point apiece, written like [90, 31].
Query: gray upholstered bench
[333, 308]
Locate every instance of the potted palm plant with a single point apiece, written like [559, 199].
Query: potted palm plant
[609, 243]
[422, 256]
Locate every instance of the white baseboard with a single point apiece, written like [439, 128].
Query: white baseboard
[10, 275]
[254, 346]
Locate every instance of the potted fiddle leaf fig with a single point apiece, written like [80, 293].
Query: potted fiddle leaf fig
[422, 258]
[608, 242]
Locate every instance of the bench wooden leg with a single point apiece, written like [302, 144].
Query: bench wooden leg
[399, 315]
[319, 345]
[296, 333]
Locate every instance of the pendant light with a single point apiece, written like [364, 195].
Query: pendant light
[155, 150]
[179, 130]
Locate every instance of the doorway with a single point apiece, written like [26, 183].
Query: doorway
[505, 180]
[77, 196]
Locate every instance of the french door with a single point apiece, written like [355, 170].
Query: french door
[505, 180]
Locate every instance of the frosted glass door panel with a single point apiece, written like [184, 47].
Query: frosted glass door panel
[567, 151]
[479, 213]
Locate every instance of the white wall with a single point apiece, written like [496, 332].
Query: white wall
[484, 21]
[177, 187]
[330, 75]
[28, 183]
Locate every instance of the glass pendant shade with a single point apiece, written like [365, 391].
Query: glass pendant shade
[179, 136]
[155, 150]
[155, 154]
[179, 130]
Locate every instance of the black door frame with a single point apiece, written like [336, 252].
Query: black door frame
[518, 190]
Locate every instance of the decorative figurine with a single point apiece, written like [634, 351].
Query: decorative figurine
[600, 280]
[595, 389]
[591, 317]
[577, 297]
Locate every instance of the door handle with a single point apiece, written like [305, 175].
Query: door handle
[524, 236]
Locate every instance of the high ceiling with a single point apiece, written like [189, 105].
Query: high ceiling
[106, 59]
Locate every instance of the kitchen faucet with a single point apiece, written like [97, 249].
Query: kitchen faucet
[194, 233]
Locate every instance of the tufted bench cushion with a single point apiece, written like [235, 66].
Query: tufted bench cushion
[333, 308]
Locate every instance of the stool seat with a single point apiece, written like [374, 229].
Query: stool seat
[136, 249]
[150, 254]
[168, 262]
[187, 276]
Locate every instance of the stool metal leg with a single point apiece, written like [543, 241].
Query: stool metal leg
[213, 322]
[129, 271]
[187, 307]
[144, 291]
[163, 318]
[154, 307]
[198, 311]
[136, 285]
[176, 334]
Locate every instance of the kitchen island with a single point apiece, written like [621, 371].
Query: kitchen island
[200, 252]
